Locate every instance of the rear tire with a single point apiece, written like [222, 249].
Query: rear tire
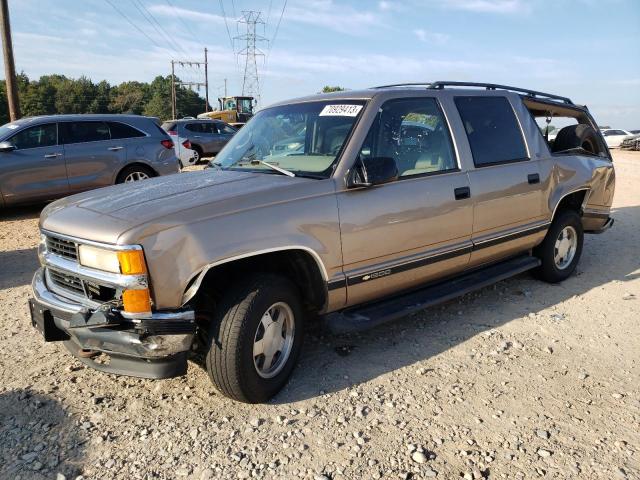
[197, 154]
[259, 320]
[134, 173]
[561, 249]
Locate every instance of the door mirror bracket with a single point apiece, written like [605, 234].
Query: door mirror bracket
[7, 147]
[370, 171]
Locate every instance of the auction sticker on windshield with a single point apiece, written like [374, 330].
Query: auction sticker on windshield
[341, 110]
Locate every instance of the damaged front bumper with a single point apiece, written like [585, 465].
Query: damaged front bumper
[153, 347]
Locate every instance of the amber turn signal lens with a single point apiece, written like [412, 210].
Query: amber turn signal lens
[132, 262]
[136, 301]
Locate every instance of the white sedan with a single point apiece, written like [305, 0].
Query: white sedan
[615, 137]
[184, 151]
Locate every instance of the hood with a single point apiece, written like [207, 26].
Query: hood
[104, 214]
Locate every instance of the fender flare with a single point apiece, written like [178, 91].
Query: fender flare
[584, 202]
[195, 284]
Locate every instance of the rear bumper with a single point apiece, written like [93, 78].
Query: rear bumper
[154, 347]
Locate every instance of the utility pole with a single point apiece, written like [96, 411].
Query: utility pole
[251, 82]
[9, 66]
[225, 87]
[173, 91]
[206, 82]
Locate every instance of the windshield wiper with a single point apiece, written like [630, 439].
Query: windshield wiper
[273, 167]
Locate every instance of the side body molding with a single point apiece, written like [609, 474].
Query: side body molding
[195, 285]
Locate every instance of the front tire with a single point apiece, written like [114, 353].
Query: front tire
[255, 338]
[561, 249]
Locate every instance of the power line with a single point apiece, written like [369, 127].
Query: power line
[156, 26]
[226, 25]
[187, 27]
[273, 40]
[133, 24]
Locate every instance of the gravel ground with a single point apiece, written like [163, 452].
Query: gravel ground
[520, 380]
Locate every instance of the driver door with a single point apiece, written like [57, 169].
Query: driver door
[418, 228]
[35, 170]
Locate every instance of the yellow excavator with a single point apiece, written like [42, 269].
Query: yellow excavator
[235, 111]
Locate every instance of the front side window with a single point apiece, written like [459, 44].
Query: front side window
[492, 129]
[35, 137]
[414, 133]
[304, 139]
[226, 129]
[81, 132]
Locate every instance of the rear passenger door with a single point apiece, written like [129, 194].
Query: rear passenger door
[223, 134]
[92, 157]
[505, 181]
[200, 133]
[401, 234]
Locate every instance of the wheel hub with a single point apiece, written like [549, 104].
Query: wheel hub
[565, 247]
[273, 340]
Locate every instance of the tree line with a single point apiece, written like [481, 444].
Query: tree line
[54, 94]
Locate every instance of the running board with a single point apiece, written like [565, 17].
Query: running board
[372, 314]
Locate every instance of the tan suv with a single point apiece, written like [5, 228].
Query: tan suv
[352, 208]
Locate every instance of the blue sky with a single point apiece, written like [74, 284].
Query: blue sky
[584, 49]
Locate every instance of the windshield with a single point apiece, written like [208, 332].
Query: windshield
[8, 128]
[303, 138]
[244, 105]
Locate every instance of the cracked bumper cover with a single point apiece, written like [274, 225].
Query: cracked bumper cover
[154, 347]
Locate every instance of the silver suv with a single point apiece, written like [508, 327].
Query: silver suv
[207, 137]
[48, 157]
[357, 208]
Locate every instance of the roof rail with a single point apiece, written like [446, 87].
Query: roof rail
[492, 86]
[440, 85]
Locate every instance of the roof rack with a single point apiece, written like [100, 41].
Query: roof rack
[440, 85]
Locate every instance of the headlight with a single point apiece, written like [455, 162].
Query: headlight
[99, 258]
[127, 262]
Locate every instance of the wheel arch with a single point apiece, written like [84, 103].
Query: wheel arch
[134, 164]
[299, 263]
[573, 200]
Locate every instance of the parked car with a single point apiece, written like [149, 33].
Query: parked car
[48, 157]
[185, 153]
[631, 143]
[614, 137]
[207, 136]
[374, 218]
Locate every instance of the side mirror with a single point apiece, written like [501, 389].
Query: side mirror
[7, 147]
[372, 171]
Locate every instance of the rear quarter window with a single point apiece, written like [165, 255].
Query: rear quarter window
[492, 129]
[121, 130]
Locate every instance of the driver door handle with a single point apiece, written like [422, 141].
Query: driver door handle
[52, 155]
[115, 149]
[462, 192]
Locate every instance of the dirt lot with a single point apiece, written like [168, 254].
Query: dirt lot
[521, 380]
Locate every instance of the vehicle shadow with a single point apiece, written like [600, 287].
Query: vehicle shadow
[21, 213]
[37, 438]
[17, 267]
[332, 363]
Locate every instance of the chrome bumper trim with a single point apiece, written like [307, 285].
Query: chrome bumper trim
[50, 299]
[127, 282]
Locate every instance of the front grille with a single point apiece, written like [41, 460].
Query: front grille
[63, 248]
[67, 281]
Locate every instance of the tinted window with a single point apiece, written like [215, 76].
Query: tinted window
[492, 129]
[121, 130]
[194, 127]
[169, 126]
[34, 137]
[226, 129]
[79, 132]
[414, 133]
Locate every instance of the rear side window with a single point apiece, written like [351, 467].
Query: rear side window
[224, 128]
[492, 129]
[81, 132]
[194, 127]
[121, 130]
[34, 137]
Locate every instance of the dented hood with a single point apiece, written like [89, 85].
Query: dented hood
[105, 214]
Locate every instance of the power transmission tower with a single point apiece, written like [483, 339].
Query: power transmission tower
[251, 82]
[204, 84]
[9, 66]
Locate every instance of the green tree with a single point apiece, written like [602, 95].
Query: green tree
[129, 97]
[75, 96]
[329, 89]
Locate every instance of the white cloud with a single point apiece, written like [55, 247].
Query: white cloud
[184, 13]
[431, 37]
[334, 16]
[489, 6]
